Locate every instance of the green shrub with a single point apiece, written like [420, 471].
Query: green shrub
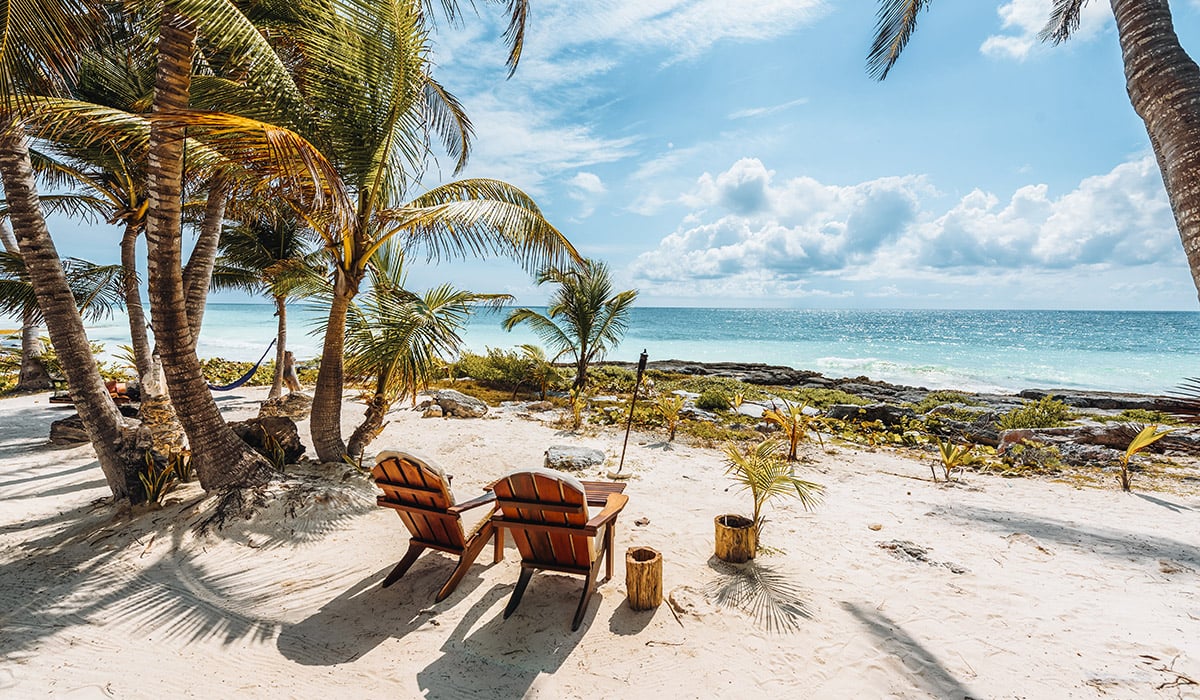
[711, 434]
[502, 368]
[611, 379]
[1046, 412]
[713, 399]
[218, 370]
[1031, 458]
[1143, 417]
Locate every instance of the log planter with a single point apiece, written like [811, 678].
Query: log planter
[643, 578]
[737, 538]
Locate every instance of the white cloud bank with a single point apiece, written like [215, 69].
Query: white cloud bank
[752, 234]
[1023, 19]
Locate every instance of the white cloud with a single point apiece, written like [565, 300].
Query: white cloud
[752, 234]
[1023, 19]
[762, 111]
[585, 187]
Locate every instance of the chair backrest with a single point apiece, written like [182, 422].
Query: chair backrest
[544, 497]
[418, 490]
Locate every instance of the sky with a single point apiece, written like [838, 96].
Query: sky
[739, 154]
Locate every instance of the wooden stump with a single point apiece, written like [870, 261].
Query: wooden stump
[737, 540]
[643, 578]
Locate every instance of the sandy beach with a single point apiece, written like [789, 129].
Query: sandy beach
[1030, 588]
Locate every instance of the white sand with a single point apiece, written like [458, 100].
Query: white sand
[1067, 593]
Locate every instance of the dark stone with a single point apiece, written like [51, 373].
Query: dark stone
[68, 431]
[282, 429]
[1108, 400]
[539, 406]
[884, 413]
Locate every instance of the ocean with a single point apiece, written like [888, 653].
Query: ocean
[1004, 351]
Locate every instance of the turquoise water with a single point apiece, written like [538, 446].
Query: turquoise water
[978, 350]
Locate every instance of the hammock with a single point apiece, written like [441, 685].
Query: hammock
[245, 377]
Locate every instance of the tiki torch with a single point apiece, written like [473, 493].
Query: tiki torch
[629, 423]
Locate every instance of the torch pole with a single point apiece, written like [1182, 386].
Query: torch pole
[629, 423]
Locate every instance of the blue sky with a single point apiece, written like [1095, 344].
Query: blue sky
[743, 157]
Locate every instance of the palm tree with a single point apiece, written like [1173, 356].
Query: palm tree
[37, 57]
[1163, 82]
[400, 339]
[584, 319]
[269, 252]
[379, 140]
[32, 374]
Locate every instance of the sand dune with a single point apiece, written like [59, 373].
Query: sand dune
[997, 588]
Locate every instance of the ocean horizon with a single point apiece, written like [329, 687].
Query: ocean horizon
[984, 350]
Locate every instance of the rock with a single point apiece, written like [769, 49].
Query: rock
[1109, 400]
[875, 526]
[767, 428]
[884, 413]
[693, 413]
[750, 410]
[68, 431]
[457, 404]
[433, 411]
[572, 458]
[295, 405]
[539, 406]
[283, 430]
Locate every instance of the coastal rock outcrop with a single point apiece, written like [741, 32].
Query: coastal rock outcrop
[572, 458]
[1108, 400]
[283, 430]
[68, 431]
[882, 412]
[457, 404]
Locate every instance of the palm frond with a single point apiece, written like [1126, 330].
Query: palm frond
[1064, 20]
[896, 21]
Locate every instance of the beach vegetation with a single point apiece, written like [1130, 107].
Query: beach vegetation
[713, 399]
[820, 397]
[767, 476]
[669, 406]
[510, 370]
[157, 478]
[794, 422]
[585, 316]
[1148, 435]
[1144, 417]
[398, 340]
[1030, 458]
[539, 370]
[1046, 412]
[612, 379]
[711, 435]
[952, 456]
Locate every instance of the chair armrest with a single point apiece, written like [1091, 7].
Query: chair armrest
[457, 508]
[616, 501]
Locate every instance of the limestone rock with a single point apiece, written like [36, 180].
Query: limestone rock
[884, 413]
[295, 405]
[693, 413]
[282, 429]
[572, 458]
[539, 406]
[457, 404]
[432, 411]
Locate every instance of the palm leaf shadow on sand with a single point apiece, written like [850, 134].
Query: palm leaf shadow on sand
[770, 597]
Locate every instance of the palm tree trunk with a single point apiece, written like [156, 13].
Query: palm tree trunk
[371, 424]
[198, 273]
[221, 459]
[326, 418]
[1164, 88]
[133, 300]
[280, 348]
[33, 375]
[97, 411]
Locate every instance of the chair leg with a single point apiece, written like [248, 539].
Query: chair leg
[589, 587]
[609, 534]
[414, 551]
[474, 547]
[498, 555]
[519, 591]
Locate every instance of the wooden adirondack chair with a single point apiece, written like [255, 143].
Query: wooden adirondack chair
[419, 492]
[547, 513]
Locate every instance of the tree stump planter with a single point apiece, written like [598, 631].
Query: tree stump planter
[737, 538]
[643, 578]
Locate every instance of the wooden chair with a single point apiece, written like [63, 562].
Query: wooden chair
[419, 492]
[548, 515]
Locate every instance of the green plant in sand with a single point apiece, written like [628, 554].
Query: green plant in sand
[670, 406]
[761, 471]
[1147, 437]
[1046, 412]
[952, 456]
[157, 480]
[794, 421]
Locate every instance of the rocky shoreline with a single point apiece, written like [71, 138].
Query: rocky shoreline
[883, 392]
